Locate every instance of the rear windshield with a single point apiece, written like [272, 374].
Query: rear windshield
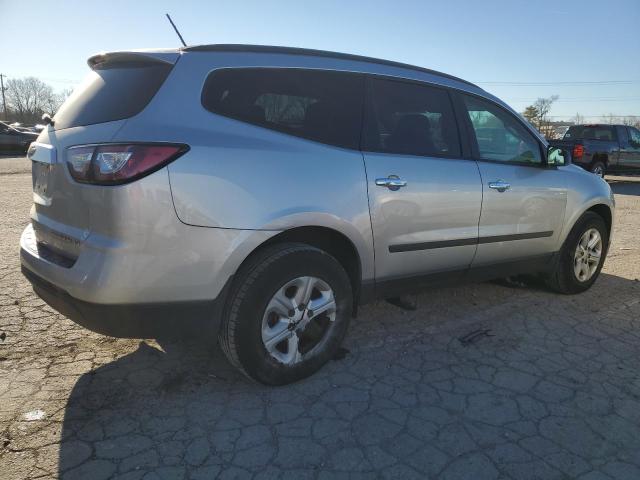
[325, 106]
[590, 132]
[112, 92]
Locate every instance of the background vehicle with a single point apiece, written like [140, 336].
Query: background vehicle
[13, 140]
[27, 128]
[274, 189]
[603, 149]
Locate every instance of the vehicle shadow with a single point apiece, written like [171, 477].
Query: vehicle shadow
[121, 409]
[181, 407]
[625, 185]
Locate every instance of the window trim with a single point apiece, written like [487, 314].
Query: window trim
[285, 131]
[474, 141]
[369, 109]
[622, 131]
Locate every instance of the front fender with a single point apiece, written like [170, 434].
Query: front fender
[585, 191]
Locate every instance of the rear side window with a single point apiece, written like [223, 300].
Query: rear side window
[499, 135]
[590, 132]
[112, 91]
[410, 119]
[321, 105]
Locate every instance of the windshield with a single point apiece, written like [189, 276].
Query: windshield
[6, 128]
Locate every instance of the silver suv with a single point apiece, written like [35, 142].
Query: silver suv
[262, 193]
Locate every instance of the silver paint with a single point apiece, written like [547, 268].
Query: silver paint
[180, 233]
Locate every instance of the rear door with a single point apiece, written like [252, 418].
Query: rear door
[523, 201]
[424, 195]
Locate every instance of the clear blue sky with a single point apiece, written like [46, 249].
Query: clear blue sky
[535, 44]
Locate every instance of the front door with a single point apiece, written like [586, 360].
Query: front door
[424, 198]
[523, 200]
[629, 159]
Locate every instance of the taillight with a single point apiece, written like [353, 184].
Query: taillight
[115, 164]
[578, 151]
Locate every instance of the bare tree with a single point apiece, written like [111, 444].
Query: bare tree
[55, 101]
[543, 105]
[578, 119]
[29, 98]
[538, 114]
[630, 121]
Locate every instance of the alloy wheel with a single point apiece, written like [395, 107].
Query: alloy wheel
[298, 319]
[598, 170]
[587, 256]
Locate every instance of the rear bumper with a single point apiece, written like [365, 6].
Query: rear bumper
[152, 320]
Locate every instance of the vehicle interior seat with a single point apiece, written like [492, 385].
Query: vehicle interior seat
[412, 135]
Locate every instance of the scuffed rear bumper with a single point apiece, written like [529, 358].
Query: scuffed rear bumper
[174, 319]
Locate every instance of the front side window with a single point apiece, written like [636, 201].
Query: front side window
[499, 135]
[325, 106]
[634, 135]
[410, 119]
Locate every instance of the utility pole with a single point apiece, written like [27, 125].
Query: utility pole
[4, 101]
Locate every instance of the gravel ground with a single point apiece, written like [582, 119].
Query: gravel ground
[551, 390]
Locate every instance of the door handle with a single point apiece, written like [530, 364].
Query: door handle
[500, 185]
[392, 182]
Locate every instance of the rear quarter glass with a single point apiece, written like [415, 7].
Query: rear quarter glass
[114, 91]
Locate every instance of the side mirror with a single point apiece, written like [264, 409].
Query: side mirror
[557, 157]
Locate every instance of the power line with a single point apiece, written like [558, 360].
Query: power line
[579, 100]
[582, 98]
[600, 115]
[49, 79]
[567, 84]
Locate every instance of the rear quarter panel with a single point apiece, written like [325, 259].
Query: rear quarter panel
[240, 176]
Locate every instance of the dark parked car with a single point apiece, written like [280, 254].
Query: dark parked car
[603, 149]
[13, 140]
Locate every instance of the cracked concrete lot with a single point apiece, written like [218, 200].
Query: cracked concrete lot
[551, 391]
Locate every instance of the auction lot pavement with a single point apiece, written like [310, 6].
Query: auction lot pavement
[550, 390]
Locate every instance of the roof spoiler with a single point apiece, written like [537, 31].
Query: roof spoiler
[139, 58]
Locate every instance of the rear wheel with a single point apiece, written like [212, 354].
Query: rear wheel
[582, 256]
[287, 313]
[598, 168]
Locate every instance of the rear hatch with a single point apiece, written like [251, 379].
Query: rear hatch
[119, 86]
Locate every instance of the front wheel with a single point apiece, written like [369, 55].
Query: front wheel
[287, 313]
[582, 255]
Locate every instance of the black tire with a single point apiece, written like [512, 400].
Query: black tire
[598, 168]
[255, 284]
[564, 279]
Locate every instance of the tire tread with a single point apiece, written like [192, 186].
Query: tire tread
[247, 275]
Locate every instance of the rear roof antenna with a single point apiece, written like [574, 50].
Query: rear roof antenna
[176, 29]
